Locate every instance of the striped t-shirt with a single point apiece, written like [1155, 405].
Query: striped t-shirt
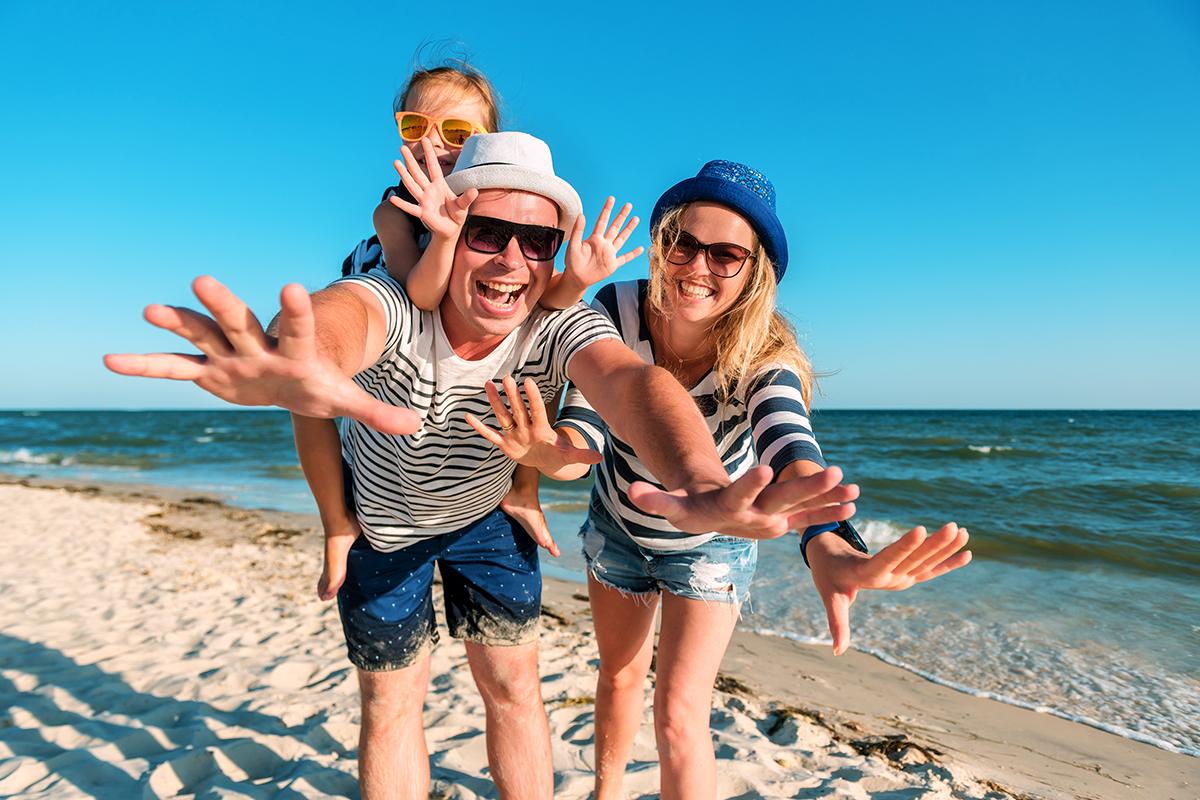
[761, 420]
[434, 481]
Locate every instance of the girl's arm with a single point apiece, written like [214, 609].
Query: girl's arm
[443, 213]
[398, 240]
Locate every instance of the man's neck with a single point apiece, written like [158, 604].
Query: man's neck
[466, 343]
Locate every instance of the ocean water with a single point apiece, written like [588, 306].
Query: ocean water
[1081, 601]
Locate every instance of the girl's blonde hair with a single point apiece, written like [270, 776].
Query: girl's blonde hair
[752, 334]
[452, 78]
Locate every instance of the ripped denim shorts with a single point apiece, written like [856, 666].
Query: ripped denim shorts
[719, 570]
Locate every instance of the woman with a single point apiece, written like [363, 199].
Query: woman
[708, 315]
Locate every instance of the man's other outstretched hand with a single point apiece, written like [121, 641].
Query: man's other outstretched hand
[240, 363]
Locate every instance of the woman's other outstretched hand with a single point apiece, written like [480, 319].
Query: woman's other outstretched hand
[839, 571]
[526, 435]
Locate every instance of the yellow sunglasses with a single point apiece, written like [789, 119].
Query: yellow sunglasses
[415, 126]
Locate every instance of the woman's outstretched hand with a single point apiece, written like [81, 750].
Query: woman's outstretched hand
[839, 571]
[525, 434]
[241, 364]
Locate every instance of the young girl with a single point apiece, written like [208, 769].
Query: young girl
[439, 109]
[708, 315]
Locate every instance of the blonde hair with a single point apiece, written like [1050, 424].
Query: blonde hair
[752, 334]
[451, 79]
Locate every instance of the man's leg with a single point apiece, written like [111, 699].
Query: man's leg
[518, 733]
[393, 760]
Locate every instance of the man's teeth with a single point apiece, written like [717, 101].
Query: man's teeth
[502, 294]
[693, 290]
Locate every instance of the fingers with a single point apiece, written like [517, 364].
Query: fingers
[237, 321]
[890, 557]
[741, 494]
[172, 366]
[949, 565]
[483, 430]
[535, 526]
[516, 406]
[821, 516]
[936, 549]
[537, 409]
[411, 174]
[837, 614]
[378, 415]
[653, 500]
[502, 416]
[432, 165]
[793, 493]
[624, 235]
[602, 220]
[297, 326]
[576, 237]
[198, 329]
[463, 202]
[933, 566]
[617, 222]
[405, 206]
[630, 256]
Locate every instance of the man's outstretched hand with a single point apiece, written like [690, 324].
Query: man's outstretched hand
[752, 506]
[241, 364]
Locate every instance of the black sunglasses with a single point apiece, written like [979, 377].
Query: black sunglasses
[490, 235]
[725, 259]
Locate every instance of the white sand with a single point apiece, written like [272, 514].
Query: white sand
[136, 663]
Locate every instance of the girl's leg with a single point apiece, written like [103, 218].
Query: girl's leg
[625, 635]
[691, 643]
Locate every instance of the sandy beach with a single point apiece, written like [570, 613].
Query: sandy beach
[157, 643]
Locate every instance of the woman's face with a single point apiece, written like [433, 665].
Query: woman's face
[694, 293]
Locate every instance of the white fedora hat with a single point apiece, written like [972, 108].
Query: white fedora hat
[514, 160]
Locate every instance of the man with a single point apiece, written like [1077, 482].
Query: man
[426, 487]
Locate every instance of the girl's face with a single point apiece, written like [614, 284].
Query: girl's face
[694, 293]
[439, 103]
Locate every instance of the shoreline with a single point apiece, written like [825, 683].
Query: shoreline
[797, 694]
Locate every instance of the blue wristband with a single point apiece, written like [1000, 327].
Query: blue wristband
[843, 529]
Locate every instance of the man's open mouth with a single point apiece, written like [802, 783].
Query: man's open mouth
[499, 294]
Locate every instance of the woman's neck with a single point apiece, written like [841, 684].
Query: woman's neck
[688, 345]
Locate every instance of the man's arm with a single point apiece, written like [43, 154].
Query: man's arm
[645, 406]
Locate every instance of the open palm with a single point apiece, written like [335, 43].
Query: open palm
[440, 210]
[591, 260]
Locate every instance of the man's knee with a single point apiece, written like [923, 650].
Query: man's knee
[507, 676]
[391, 698]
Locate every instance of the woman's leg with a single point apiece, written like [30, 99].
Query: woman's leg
[625, 635]
[691, 643]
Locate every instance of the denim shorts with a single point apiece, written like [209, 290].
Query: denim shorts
[491, 584]
[719, 570]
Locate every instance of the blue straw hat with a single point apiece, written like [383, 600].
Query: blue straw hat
[743, 189]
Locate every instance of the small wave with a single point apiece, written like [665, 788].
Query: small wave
[31, 413]
[203, 439]
[877, 533]
[22, 455]
[987, 448]
[1040, 708]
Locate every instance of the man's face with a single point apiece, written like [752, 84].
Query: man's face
[489, 296]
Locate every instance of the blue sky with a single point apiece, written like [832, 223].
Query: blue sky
[989, 205]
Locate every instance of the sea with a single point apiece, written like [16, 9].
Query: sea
[1082, 599]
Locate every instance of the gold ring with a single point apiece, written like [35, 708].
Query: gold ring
[507, 428]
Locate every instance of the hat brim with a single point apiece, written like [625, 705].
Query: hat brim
[738, 198]
[520, 179]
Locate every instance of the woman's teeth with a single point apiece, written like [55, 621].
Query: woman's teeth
[695, 290]
[502, 294]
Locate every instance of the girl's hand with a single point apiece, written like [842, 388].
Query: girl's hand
[526, 435]
[839, 571]
[439, 209]
[589, 261]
